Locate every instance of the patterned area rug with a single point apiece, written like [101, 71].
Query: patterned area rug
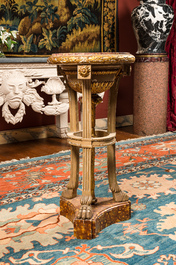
[32, 232]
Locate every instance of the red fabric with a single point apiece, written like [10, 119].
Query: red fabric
[171, 51]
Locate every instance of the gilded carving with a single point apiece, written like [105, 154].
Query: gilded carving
[91, 58]
[95, 87]
[84, 71]
[75, 85]
[100, 86]
[107, 72]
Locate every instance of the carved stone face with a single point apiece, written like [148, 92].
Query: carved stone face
[13, 88]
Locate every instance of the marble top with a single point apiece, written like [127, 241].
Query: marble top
[92, 58]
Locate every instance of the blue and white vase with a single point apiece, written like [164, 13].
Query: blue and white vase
[152, 21]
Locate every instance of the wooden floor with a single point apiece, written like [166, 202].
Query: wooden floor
[48, 146]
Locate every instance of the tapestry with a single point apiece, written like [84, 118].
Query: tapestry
[51, 26]
[33, 232]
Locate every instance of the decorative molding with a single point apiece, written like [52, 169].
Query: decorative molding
[18, 83]
[91, 58]
[151, 58]
[26, 134]
[17, 89]
[36, 70]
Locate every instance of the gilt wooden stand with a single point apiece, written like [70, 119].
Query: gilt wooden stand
[91, 74]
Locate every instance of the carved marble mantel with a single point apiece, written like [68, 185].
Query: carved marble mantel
[35, 71]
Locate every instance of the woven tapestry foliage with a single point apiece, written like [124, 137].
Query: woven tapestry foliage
[52, 26]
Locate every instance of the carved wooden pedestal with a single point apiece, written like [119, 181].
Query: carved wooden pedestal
[92, 74]
[105, 212]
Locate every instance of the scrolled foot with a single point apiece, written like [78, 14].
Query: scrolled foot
[120, 196]
[85, 212]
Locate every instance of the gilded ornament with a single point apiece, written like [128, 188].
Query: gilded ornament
[96, 87]
[84, 71]
[75, 85]
[91, 58]
[101, 86]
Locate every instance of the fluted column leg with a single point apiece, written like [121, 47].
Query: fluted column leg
[72, 186]
[86, 199]
[118, 195]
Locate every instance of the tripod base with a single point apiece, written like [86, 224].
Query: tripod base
[105, 213]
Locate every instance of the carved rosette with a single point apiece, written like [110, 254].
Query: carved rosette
[84, 72]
